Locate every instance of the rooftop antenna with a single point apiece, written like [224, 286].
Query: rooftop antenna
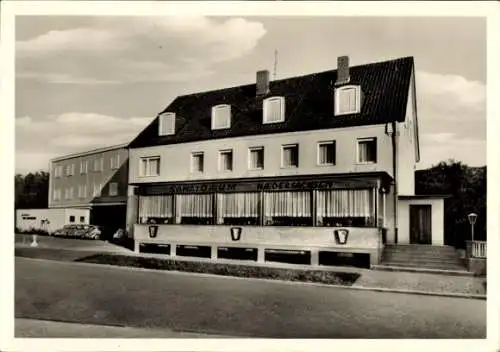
[275, 63]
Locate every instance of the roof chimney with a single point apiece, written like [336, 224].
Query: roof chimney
[262, 82]
[342, 70]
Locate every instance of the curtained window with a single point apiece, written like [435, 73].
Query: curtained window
[367, 150]
[221, 116]
[326, 153]
[345, 208]
[256, 158]
[274, 110]
[347, 100]
[226, 160]
[150, 166]
[166, 125]
[290, 155]
[159, 209]
[197, 162]
[238, 208]
[196, 209]
[287, 208]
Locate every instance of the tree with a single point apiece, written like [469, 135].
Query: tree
[466, 188]
[31, 190]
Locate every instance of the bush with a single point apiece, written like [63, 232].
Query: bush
[319, 276]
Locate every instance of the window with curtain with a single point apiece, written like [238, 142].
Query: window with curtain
[166, 125]
[197, 162]
[158, 209]
[287, 208]
[196, 209]
[290, 156]
[347, 100]
[221, 116]
[367, 150]
[97, 190]
[345, 207]
[326, 153]
[274, 110]
[150, 166]
[256, 158]
[226, 160]
[238, 208]
[83, 167]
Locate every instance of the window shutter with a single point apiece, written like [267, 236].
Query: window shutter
[166, 125]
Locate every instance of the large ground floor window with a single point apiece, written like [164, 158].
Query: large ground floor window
[157, 209]
[287, 208]
[345, 208]
[239, 208]
[339, 207]
[196, 209]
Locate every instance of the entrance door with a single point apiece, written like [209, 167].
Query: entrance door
[420, 224]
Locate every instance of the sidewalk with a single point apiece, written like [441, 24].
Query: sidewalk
[405, 282]
[473, 287]
[47, 329]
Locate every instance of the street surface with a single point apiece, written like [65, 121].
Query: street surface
[105, 295]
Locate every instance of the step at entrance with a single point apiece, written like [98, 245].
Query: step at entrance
[424, 257]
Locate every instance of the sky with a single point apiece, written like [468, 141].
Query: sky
[88, 82]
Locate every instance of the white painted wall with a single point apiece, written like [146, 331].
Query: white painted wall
[407, 148]
[437, 212]
[27, 219]
[78, 213]
[175, 164]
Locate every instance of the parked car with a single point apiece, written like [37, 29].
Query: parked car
[79, 231]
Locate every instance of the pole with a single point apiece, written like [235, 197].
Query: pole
[472, 231]
[34, 243]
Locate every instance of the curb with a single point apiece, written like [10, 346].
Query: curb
[315, 284]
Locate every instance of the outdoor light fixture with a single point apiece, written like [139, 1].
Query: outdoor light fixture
[341, 236]
[236, 233]
[153, 231]
[472, 220]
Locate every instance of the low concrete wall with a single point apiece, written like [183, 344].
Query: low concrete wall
[314, 239]
[477, 266]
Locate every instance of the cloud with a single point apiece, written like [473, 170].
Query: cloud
[452, 92]
[450, 98]
[69, 133]
[452, 118]
[469, 151]
[136, 49]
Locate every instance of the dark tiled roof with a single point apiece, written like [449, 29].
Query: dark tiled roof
[308, 105]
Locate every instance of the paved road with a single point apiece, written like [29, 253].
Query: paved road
[105, 295]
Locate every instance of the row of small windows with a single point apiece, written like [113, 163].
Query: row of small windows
[97, 166]
[345, 207]
[83, 191]
[348, 101]
[366, 153]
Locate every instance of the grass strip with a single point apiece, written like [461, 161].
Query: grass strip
[317, 276]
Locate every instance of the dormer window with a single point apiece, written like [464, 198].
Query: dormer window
[274, 110]
[347, 100]
[166, 124]
[221, 116]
